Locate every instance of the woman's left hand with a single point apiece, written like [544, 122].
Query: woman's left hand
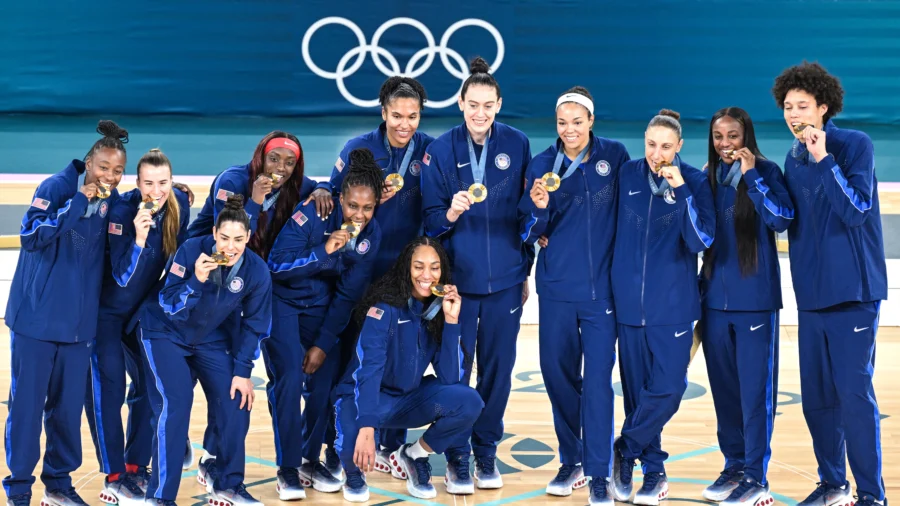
[245, 387]
[451, 305]
[747, 158]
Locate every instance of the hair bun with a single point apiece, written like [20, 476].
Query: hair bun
[156, 150]
[361, 157]
[235, 202]
[108, 128]
[670, 113]
[479, 66]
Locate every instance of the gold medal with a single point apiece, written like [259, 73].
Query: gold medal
[396, 181]
[799, 128]
[478, 192]
[102, 190]
[729, 153]
[151, 204]
[438, 290]
[351, 228]
[275, 178]
[219, 258]
[551, 181]
[663, 164]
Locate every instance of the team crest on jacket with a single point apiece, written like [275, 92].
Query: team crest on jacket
[363, 247]
[236, 285]
[502, 161]
[603, 168]
[669, 196]
[415, 168]
[104, 207]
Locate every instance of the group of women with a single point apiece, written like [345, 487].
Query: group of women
[414, 255]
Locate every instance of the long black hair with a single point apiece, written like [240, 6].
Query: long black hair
[269, 224]
[744, 212]
[395, 287]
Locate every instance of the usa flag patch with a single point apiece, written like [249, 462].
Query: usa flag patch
[115, 228]
[339, 164]
[223, 195]
[177, 270]
[300, 218]
[426, 159]
[40, 204]
[376, 313]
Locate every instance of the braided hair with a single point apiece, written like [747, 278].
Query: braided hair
[364, 172]
[114, 137]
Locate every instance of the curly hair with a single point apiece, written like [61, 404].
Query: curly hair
[395, 287]
[815, 80]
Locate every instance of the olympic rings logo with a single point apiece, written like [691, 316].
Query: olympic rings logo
[425, 55]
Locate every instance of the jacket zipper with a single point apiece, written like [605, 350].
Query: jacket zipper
[644, 275]
[587, 206]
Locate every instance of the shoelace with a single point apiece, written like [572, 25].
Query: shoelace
[21, 499]
[143, 475]
[626, 469]
[211, 471]
[423, 470]
[462, 467]
[651, 480]
[726, 476]
[72, 495]
[290, 476]
[355, 480]
[129, 481]
[564, 472]
[332, 460]
[743, 488]
[487, 465]
[866, 500]
[322, 470]
[820, 490]
[598, 488]
[241, 491]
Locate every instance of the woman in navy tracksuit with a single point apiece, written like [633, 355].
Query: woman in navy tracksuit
[405, 328]
[474, 177]
[666, 217]
[141, 241]
[179, 340]
[52, 317]
[741, 293]
[398, 147]
[840, 278]
[319, 271]
[576, 224]
[278, 153]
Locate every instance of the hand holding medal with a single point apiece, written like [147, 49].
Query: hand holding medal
[539, 192]
[451, 304]
[461, 203]
[671, 172]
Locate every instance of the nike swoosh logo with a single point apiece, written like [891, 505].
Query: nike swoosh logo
[633, 193]
[679, 334]
[511, 311]
[608, 311]
[859, 330]
[461, 165]
[402, 321]
[752, 328]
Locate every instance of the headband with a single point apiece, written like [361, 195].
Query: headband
[578, 99]
[283, 142]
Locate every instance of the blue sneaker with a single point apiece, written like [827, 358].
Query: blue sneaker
[67, 497]
[142, 478]
[206, 474]
[869, 500]
[568, 478]
[623, 474]
[19, 500]
[355, 488]
[315, 475]
[600, 495]
[418, 472]
[727, 481]
[124, 491]
[288, 484]
[333, 463]
[749, 493]
[827, 494]
[486, 474]
[457, 479]
[237, 496]
[655, 489]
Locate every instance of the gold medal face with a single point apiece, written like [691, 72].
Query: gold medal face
[437, 290]
[478, 192]
[275, 178]
[729, 153]
[801, 127]
[102, 190]
[351, 228]
[551, 181]
[150, 204]
[663, 164]
[219, 258]
[396, 181]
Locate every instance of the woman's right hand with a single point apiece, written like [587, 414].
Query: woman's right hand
[142, 227]
[364, 451]
[203, 266]
[261, 187]
[539, 194]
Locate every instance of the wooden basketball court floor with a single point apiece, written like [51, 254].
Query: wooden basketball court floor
[527, 456]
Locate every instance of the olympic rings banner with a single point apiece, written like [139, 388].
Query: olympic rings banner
[323, 58]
